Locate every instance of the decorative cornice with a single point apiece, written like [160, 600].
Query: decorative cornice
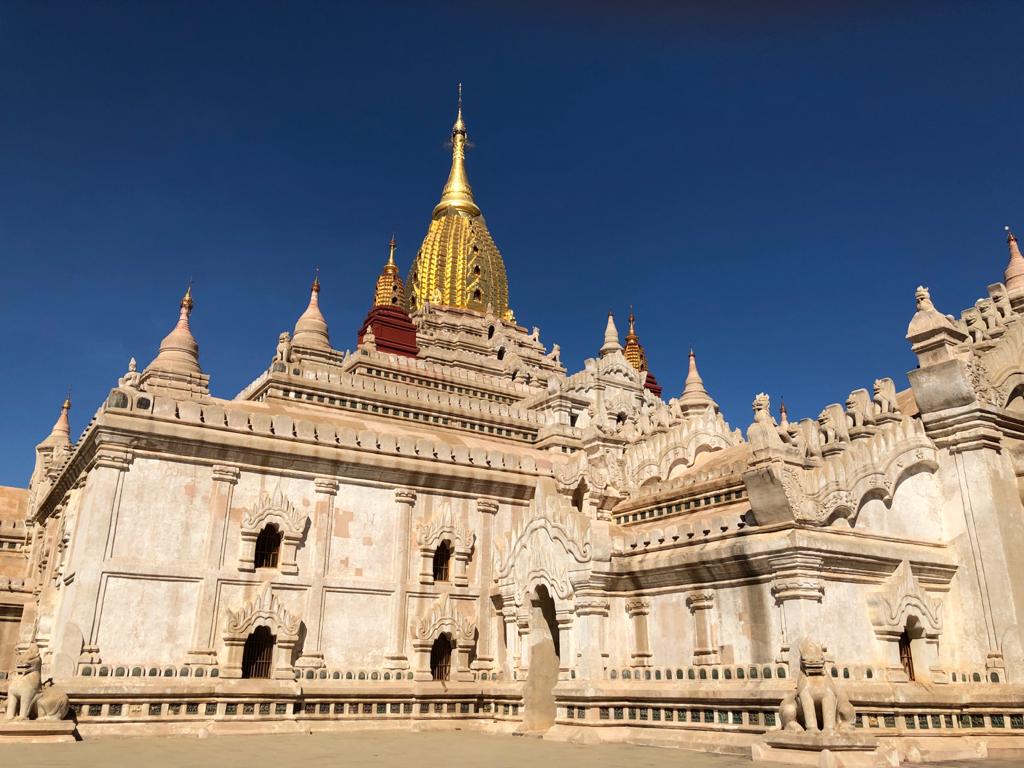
[639, 606]
[225, 473]
[405, 496]
[114, 457]
[487, 506]
[328, 486]
[700, 600]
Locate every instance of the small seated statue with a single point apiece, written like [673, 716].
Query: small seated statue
[816, 693]
[27, 699]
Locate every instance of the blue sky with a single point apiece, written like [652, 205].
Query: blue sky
[767, 184]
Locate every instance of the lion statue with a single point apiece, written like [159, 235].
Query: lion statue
[817, 704]
[27, 699]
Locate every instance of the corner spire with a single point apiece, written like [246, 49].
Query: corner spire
[390, 291]
[695, 397]
[611, 338]
[311, 328]
[634, 351]
[61, 432]
[457, 192]
[1013, 277]
[179, 351]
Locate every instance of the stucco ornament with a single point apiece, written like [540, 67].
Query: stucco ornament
[816, 692]
[27, 699]
[901, 597]
[444, 616]
[553, 548]
[275, 508]
[266, 610]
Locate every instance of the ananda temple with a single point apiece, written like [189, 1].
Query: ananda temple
[444, 527]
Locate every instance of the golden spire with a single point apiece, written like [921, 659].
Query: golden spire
[457, 193]
[634, 350]
[390, 290]
[458, 265]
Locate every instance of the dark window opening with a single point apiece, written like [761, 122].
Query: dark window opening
[442, 561]
[258, 655]
[268, 547]
[579, 496]
[441, 658]
[501, 353]
[906, 655]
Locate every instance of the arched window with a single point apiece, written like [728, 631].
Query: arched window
[442, 561]
[490, 332]
[906, 655]
[501, 353]
[268, 547]
[441, 658]
[258, 655]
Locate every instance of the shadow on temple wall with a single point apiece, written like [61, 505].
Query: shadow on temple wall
[542, 674]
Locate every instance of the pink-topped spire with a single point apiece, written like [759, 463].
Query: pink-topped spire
[1013, 277]
[179, 351]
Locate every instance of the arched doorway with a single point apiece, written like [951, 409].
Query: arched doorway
[544, 653]
[258, 654]
[441, 657]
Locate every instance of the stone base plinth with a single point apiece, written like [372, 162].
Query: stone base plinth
[823, 750]
[37, 731]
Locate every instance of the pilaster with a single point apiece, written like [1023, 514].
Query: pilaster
[702, 604]
[638, 609]
[326, 489]
[405, 503]
[487, 509]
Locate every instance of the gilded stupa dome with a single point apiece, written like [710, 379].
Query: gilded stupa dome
[458, 264]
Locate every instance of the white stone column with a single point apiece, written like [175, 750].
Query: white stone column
[705, 647]
[397, 659]
[204, 651]
[566, 651]
[523, 643]
[638, 609]
[511, 629]
[323, 519]
[798, 590]
[487, 509]
[592, 612]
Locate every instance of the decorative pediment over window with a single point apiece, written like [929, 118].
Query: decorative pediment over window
[901, 597]
[272, 509]
[275, 508]
[443, 616]
[266, 610]
[444, 527]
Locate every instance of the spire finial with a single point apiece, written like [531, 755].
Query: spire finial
[316, 279]
[1013, 276]
[611, 338]
[67, 400]
[391, 250]
[457, 193]
[186, 300]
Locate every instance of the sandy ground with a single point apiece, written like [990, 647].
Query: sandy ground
[387, 749]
